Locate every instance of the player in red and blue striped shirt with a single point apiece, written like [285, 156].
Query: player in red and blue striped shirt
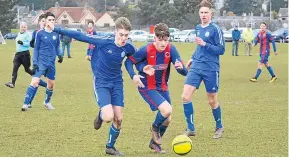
[153, 87]
[264, 38]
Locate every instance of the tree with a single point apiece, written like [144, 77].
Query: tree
[8, 16]
[238, 7]
[277, 4]
[38, 4]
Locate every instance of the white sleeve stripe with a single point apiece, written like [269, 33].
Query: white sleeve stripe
[220, 34]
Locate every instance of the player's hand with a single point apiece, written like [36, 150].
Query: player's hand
[60, 59]
[35, 68]
[20, 42]
[189, 63]
[137, 80]
[276, 53]
[149, 69]
[200, 41]
[178, 65]
[88, 57]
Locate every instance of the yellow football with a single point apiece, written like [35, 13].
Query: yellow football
[182, 144]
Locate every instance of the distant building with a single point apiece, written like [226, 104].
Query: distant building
[219, 4]
[78, 16]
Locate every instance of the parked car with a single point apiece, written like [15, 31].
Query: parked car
[10, 36]
[286, 39]
[173, 32]
[76, 29]
[228, 36]
[192, 36]
[151, 37]
[183, 36]
[138, 35]
[280, 34]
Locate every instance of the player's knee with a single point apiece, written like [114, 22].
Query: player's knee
[212, 102]
[34, 83]
[167, 111]
[186, 98]
[107, 117]
[50, 85]
[118, 122]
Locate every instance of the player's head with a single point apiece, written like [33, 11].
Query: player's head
[90, 24]
[205, 11]
[263, 26]
[162, 34]
[23, 27]
[122, 28]
[236, 27]
[248, 26]
[50, 19]
[41, 21]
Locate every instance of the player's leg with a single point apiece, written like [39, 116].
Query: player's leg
[246, 48]
[250, 49]
[166, 123]
[32, 90]
[259, 68]
[192, 82]
[68, 50]
[26, 62]
[16, 65]
[117, 99]
[211, 81]
[50, 75]
[270, 70]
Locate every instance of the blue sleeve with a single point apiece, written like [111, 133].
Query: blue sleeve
[33, 34]
[176, 56]
[135, 58]
[271, 39]
[36, 48]
[96, 40]
[256, 40]
[218, 46]
[58, 47]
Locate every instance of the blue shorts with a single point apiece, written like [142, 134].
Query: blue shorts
[210, 78]
[154, 97]
[47, 71]
[264, 58]
[108, 93]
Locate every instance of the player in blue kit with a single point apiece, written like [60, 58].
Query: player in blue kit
[205, 66]
[108, 83]
[264, 38]
[45, 51]
[153, 87]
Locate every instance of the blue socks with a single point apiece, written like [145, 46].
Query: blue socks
[32, 97]
[217, 116]
[163, 129]
[159, 120]
[271, 71]
[113, 134]
[258, 73]
[29, 94]
[42, 83]
[189, 115]
[49, 93]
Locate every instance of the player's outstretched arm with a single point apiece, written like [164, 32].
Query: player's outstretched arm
[271, 39]
[96, 40]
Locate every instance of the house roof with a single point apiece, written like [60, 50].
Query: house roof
[76, 13]
[283, 12]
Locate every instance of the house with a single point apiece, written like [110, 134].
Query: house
[78, 16]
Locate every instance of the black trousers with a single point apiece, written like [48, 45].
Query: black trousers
[21, 58]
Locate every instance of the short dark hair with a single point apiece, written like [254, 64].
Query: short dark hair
[122, 23]
[90, 22]
[162, 30]
[41, 17]
[47, 14]
[264, 23]
[205, 3]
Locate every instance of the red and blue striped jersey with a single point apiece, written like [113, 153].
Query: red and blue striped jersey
[161, 62]
[264, 38]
